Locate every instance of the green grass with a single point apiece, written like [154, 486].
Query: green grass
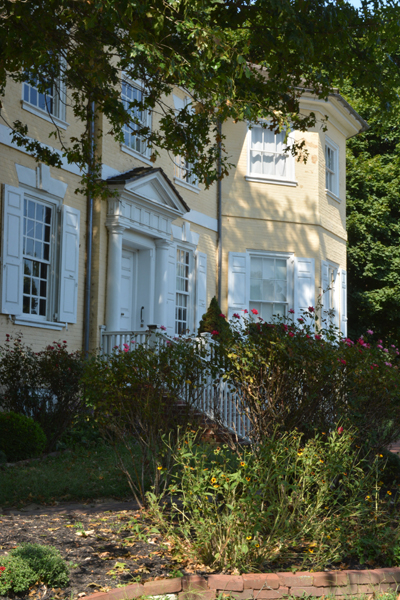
[82, 474]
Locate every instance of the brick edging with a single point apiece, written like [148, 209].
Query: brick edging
[263, 586]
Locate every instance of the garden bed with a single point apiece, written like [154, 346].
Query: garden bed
[107, 546]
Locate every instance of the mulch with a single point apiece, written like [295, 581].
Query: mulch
[97, 541]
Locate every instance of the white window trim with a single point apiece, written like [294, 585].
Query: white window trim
[290, 273]
[136, 83]
[188, 186]
[43, 114]
[268, 178]
[37, 320]
[337, 308]
[335, 148]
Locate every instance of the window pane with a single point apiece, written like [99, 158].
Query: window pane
[43, 289]
[39, 231]
[280, 145]
[27, 285]
[280, 163]
[257, 138]
[256, 268]
[29, 247]
[269, 140]
[42, 308]
[30, 228]
[268, 164]
[25, 304]
[35, 268]
[26, 92]
[39, 212]
[38, 250]
[281, 268]
[279, 309]
[268, 290]
[268, 268]
[255, 163]
[266, 312]
[34, 306]
[31, 209]
[280, 291]
[255, 289]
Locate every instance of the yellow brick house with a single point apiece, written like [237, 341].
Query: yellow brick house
[270, 236]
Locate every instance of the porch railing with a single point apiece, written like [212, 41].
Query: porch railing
[216, 401]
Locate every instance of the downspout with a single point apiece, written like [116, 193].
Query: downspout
[89, 237]
[219, 212]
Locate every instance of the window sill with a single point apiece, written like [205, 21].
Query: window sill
[20, 320]
[188, 186]
[333, 196]
[287, 182]
[135, 154]
[44, 115]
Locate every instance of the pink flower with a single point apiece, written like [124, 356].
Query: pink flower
[385, 350]
[342, 361]
[168, 343]
[340, 430]
[300, 320]
[163, 328]
[379, 346]
[361, 341]
[245, 311]
[291, 334]
[215, 332]
[317, 337]
[222, 315]
[254, 311]
[291, 311]
[133, 342]
[370, 332]
[285, 327]
[379, 341]
[236, 316]
[393, 346]
[388, 364]
[311, 309]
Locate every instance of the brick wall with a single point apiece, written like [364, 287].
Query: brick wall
[265, 586]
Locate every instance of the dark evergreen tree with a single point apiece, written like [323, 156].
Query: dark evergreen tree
[214, 321]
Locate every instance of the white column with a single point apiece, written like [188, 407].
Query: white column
[114, 267]
[161, 282]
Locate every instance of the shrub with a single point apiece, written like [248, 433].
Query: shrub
[315, 502]
[20, 437]
[286, 374]
[43, 385]
[214, 321]
[15, 575]
[137, 395]
[45, 561]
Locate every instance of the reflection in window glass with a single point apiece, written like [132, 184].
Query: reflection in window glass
[182, 291]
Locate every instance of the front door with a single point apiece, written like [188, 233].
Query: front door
[128, 291]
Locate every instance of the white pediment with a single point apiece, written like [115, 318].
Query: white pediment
[155, 187]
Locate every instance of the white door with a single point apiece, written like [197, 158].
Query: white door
[128, 290]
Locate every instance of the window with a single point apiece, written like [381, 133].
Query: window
[49, 104]
[140, 118]
[332, 167]
[267, 157]
[40, 251]
[330, 284]
[182, 291]
[37, 256]
[183, 170]
[268, 286]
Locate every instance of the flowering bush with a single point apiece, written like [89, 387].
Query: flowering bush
[43, 385]
[289, 374]
[137, 395]
[312, 502]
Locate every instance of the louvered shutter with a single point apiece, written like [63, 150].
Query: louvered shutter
[171, 294]
[12, 267]
[69, 265]
[201, 287]
[343, 302]
[238, 283]
[304, 285]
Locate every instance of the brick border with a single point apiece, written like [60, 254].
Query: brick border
[263, 586]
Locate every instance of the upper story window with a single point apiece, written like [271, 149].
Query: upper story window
[267, 159]
[183, 171]
[131, 93]
[48, 104]
[268, 286]
[331, 167]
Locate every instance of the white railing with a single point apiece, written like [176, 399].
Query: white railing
[216, 400]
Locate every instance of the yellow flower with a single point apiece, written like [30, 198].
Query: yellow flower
[159, 468]
[216, 486]
[381, 456]
[323, 433]
[213, 480]
[390, 493]
[205, 469]
[326, 507]
[337, 529]
[321, 461]
[312, 551]
[249, 537]
[247, 478]
[299, 453]
[257, 545]
[242, 464]
[329, 537]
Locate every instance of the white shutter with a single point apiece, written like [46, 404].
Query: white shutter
[343, 302]
[171, 293]
[238, 283]
[201, 287]
[325, 291]
[304, 285]
[12, 267]
[68, 297]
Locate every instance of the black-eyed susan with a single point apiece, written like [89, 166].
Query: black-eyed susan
[247, 478]
[216, 486]
[159, 467]
[249, 537]
[257, 545]
[321, 461]
[242, 464]
[389, 492]
[213, 480]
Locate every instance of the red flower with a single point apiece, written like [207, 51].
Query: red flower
[340, 430]
[291, 311]
[300, 320]
[317, 337]
[222, 315]
[291, 334]
[2, 569]
[254, 311]
[245, 311]
[236, 316]
[215, 332]
[311, 309]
